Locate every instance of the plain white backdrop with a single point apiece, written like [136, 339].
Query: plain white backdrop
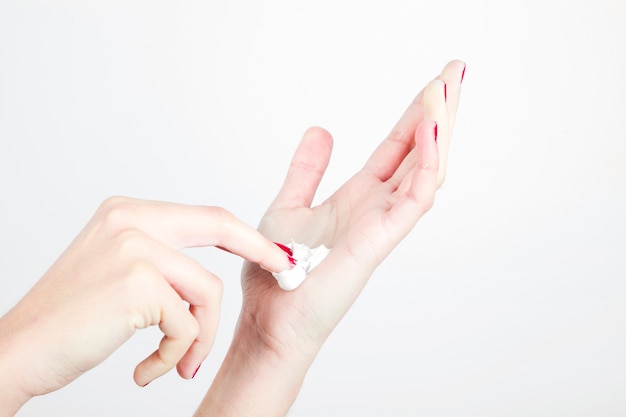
[508, 298]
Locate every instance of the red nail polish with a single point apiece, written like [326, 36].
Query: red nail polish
[288, 251]
[196, 371]
[435, 132]
[445, 92]
[463, 73]
[146, 384]
[284, 248]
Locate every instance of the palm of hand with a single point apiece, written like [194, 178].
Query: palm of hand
[354, 222]
[362, 221]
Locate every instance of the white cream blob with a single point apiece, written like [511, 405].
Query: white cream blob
[306, 259]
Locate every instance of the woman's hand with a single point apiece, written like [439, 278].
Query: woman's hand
[279, 332]
[124, 272]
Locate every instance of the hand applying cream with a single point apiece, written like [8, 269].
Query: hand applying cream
[304, 260]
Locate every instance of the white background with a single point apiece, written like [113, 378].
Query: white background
[509, 297]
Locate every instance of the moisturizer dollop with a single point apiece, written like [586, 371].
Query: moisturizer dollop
[306, 259]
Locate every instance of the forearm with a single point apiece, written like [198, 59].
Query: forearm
[255, 380]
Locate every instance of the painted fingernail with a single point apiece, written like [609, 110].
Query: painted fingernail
[146, 384]
[288, 251]
[445, 92]
[284, 248]
[196, 371]
[463, 73]
[435, 132]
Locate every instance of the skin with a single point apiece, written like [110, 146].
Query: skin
[279, 333]
[124, 272]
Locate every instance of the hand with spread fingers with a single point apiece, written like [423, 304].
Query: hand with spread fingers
[280, 332]
[124, 272]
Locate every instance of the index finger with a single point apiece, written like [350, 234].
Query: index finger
[183, 226]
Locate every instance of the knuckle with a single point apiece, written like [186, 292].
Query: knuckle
[221, 218]
[192, 329]
[424, 201]
[138, 288]
[140, 274]
[210, 291]
[112, 202]
[131, 241]
[398, 135]
[429, 172]
[217, 288]
[218, 212]
[188, 329]
[165, 359]
[113, 212]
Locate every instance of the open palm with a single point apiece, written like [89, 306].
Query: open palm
[361, 222]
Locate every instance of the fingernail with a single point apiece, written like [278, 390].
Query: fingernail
[196, 371]
[146, 384]
[288, 251]
[435, 132]
[463, 73]
[284, 248]
[445, 92]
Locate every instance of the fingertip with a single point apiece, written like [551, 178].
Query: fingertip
[280, 259]
[196, 371]
[188, 366]
[318, 133]
[317, 140]
[454, 70]
[140, 377]
[288, 251]
[187, 370]
[306, 169]
[435, 93]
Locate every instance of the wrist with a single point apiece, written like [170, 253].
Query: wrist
[257, 377]
[13, 391]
